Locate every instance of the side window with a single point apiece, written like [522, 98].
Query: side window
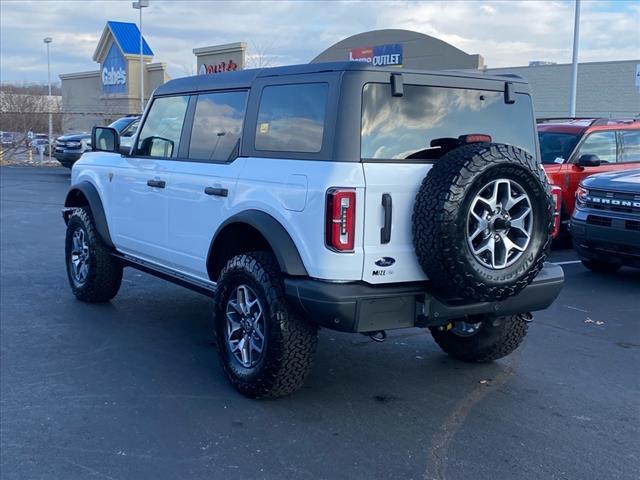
[291, 118]
[131, 130]
[630, 140]
[602, 144]
[160, 135]
[217, 126]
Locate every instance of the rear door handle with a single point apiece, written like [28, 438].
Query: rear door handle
[385, 231]
[156, 183]
[216, 191]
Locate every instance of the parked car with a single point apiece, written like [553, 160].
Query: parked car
[571, 149]
[605, 226]
[344, 195]
[8, 139]
[69, 148]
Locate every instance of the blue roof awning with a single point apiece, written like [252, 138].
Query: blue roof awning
[127, 35]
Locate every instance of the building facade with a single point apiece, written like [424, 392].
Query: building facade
[98, 97]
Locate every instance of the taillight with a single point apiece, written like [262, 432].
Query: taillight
[340, 226]
[475, 138]
[556, 193]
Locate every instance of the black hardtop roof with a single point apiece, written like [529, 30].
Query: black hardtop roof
[244, 78]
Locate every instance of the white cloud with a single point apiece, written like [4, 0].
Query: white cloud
[505, 33]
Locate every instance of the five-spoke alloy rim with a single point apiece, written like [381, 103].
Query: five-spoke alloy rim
[80, 256]
[245, 326]
[499, 224]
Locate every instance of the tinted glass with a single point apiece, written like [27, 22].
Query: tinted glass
[130, 131]
[602, 144]
[217, 126]
[160, 135]
[556, 147]
[404, 127]
[291, 118]
[630, 145]
[120, 124]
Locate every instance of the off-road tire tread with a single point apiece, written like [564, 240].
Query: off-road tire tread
[435, 215]
[295, 341]
[105, 272]
[489, 344]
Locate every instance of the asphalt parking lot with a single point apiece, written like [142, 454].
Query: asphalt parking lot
[132, 389]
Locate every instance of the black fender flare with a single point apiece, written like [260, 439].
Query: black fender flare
[95, 204]
[276, 235]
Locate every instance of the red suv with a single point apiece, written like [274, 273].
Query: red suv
[574, 148]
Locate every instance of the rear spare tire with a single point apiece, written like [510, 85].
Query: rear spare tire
[482, 221]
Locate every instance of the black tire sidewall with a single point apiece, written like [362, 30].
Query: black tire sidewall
[539, 231]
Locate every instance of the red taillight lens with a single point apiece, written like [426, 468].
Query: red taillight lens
[556, 193]
[341, 219]
[475, 138]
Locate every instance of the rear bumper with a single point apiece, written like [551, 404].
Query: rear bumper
[613, 244]
[359, 307]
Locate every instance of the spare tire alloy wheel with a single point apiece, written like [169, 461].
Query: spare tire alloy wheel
[245, 326]
[482, 222]
[499, 223]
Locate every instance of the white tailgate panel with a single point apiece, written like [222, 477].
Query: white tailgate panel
[402, 181]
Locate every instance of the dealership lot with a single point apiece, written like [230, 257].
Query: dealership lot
[132, 389]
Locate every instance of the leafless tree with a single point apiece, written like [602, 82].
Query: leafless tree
[259, 55]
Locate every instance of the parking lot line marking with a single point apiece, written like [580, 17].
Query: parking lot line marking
[568, 262]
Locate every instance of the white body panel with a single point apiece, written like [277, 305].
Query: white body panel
[174, 226]
[193, 215]
[402, 181]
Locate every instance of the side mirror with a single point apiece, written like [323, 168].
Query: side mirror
[157, 147]
[588, 160]
[105, 139]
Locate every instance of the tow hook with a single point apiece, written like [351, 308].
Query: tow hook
[527, 317]
[378, 336]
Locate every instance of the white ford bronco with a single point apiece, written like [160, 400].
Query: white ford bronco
[340, 195]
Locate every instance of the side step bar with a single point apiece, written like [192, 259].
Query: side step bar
[195, 284]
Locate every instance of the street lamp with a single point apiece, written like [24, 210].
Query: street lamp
[139, 5]
[47, 41]
[574, 61]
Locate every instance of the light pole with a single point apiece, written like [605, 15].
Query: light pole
[140, 4]
[47, 41]
[574, 61]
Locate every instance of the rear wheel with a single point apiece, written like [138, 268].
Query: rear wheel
[482, 339]
[601, 267]
[265, 349]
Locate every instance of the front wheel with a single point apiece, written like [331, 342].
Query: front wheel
[482, 339]
[264, 348]
[94, 275]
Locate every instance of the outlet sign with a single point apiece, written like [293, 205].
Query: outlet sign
[114, 72]
[379, 55]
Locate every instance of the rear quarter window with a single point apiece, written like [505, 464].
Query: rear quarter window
[401, 128]
[291, 118]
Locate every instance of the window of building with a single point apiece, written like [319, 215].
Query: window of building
[160, 135]
[630, 140]
[601, 144]
[405, 127]
[217, 126]
[291, 118]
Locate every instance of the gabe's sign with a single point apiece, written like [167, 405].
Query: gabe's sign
[380, 55]
[114, 72]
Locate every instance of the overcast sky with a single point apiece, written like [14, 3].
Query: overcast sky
[505, 33]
